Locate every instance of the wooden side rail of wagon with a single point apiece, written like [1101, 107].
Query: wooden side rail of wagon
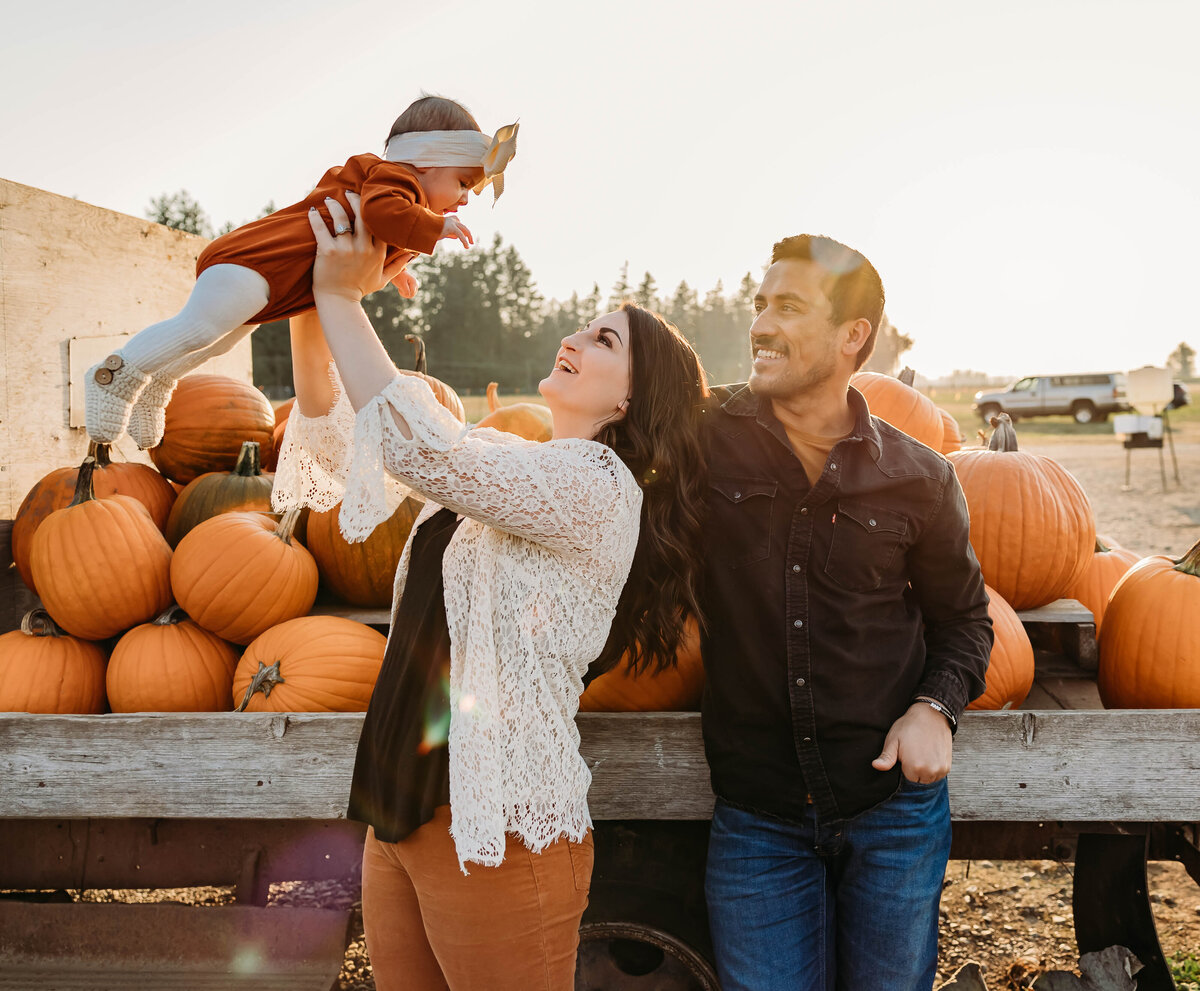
[212, 798]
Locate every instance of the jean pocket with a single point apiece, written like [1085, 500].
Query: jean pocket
[863, 546]
[740, 511]
[919, 786]
[582, 855]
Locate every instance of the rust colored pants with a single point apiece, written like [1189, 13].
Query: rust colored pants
[429, 927]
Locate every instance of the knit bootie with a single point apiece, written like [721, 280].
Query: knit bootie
[148, 418]
[109, 390]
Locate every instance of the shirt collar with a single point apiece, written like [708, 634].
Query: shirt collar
[743, 402]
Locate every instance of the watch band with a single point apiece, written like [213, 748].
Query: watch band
[934, 703]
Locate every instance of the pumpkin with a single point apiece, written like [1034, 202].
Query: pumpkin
[1150, 642]
[1031, 524]
[310, 664]
[245, 488]
[283, 411]
[673, 689]
[239, 574]
[170, 665]
[952, 438]
[361, 573]
[1108, 563]
[902, 406]
[56, 490]
[443, 393]
[529, 420]
[207, 420]
[44, 670]
[1010, 667]
[101, 565]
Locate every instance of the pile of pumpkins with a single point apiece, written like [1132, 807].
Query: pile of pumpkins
[176, 589]
[1034, 533]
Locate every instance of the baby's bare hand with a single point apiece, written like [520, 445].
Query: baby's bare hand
[453, 227]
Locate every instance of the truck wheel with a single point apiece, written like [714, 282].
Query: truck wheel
[1084, 412]
[987, 411]
[630, 956]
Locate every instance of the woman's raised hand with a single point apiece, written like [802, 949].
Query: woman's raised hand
[349, 261]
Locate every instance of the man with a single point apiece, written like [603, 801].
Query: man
[847, 630]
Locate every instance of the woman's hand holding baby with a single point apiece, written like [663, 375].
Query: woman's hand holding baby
[349, 264]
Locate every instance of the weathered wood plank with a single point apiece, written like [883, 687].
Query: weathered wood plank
[75, 277]
[1058, 611]
[1009, 766]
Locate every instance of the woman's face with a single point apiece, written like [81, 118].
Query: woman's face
[592, 373]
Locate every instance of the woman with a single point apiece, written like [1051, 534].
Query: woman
[511, 589]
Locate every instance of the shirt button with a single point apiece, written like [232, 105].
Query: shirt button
[799, 623]
[807, 739]
[737, 495]
[872, 522]
[799, 682]
[833, 467]
[795, 567]
[803, 510]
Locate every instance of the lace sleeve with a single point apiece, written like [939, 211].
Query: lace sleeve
[315, 458]
[558, 493]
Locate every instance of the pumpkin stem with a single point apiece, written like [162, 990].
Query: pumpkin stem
[265, 678]
[1189, 564]
[83, 484]
[1101, 546]
[248, 463]
[1004, 437]
[418, 344]
[173, 614]
[493, 391]
[100, 452]
[287, 523]
[38, 623]
[908, 376]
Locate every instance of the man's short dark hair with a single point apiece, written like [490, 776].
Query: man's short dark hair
[854, 288]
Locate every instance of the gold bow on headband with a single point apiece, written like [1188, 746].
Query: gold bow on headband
[502, 150]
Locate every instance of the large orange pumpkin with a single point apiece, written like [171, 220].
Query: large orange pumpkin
[1031, 524]
[101, 565]
[239, 574]
[1010, 667]
[952, 438]
[1150, 643]
[444, 394]
[44, 670]
[209, 417]
[902, 406]
[170, 665]
[56, 490]
[310, 664]
[362, 573]
[529, 420]
[245, 489]
[674, 689]
[1108, 563]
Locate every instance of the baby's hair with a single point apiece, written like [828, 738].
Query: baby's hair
[433, 113]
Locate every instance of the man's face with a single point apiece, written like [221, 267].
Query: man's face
[793, 340]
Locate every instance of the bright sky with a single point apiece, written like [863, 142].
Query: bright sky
[1024, 174]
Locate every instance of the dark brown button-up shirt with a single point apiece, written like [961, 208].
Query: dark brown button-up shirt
[830, 607]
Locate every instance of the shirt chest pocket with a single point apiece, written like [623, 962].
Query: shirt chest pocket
[864, 545]
[740, 525]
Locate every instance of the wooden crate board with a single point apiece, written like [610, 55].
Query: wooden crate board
[1008, 766]
[71, 272]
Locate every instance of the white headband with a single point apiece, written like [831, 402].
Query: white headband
[432, 149]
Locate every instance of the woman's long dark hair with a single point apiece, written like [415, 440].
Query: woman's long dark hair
[659, 441]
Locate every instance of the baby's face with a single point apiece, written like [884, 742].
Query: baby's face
[447, 186]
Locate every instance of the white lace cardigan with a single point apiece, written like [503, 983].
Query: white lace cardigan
[532, 577]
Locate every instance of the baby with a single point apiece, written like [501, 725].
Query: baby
[435, 155]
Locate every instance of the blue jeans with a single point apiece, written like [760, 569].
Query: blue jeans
[862, 916]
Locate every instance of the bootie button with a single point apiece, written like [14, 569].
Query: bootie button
[103, 376]
[113, 362]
